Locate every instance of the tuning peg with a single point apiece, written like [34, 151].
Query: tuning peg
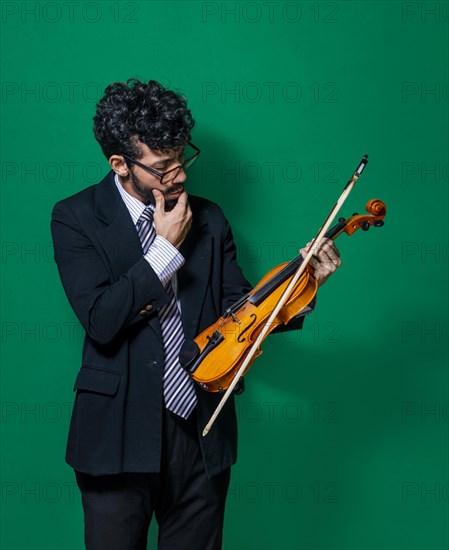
[341, 220]
[378, 223]
[364, 226]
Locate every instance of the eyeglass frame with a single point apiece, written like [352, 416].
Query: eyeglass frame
[161, 175]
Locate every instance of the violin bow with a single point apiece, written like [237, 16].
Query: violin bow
[285, 295]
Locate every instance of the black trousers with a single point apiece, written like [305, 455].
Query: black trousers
[188, 506]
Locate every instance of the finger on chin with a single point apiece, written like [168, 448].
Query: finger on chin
[181, 204]
[158, 197]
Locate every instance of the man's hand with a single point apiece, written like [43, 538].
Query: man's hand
[325, 260]
[173, 225]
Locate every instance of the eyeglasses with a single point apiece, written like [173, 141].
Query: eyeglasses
[169, 175]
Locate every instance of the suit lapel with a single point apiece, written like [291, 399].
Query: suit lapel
[118, 236]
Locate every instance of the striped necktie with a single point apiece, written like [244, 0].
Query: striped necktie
[179, 390]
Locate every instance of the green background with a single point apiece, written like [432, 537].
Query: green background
[343, 440]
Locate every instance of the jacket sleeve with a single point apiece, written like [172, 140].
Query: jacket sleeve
[104, 306]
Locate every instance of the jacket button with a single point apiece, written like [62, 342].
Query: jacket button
[143, 312]
[149, 307]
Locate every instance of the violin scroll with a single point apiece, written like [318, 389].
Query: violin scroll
[376, 213]
[376, 207]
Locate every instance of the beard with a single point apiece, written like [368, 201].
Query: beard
[147, 195]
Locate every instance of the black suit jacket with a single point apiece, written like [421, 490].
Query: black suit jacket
[116, 423]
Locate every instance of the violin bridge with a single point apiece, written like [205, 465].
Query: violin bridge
[235, 319]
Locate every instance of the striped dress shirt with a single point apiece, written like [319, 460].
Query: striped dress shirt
[163, 257]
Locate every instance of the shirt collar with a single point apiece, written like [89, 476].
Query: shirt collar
[134, 206]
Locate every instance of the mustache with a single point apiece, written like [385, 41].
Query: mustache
[173, 189]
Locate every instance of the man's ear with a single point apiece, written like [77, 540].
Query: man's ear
[119, 166]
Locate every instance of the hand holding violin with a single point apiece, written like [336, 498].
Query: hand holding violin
[325, 261]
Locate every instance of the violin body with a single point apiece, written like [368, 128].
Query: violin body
[241, 328]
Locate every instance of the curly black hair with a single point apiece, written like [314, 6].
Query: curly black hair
[146, 112]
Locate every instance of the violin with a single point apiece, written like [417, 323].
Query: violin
[218, 351]
[220, 356]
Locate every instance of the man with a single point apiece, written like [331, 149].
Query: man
[145, 267]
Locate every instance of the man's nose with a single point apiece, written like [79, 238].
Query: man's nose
[180, 177]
